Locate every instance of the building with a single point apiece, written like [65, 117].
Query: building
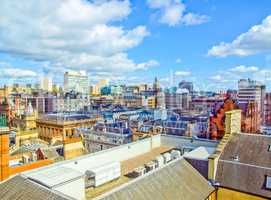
[7, 169]
[267, 110]
[160, 100]
[96, 90]
[104, 136]
[76, 82]
[131, 167]
[68, 104]
[46, 83]
[156, 85]
[217, 118]
[179, 100]
[186, 85]
[250, 91]
[56, 127]
[244, 168]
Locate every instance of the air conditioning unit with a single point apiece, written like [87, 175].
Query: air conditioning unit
[167, 157]
[159, 160]
[175, 154]
[139, 171]
[150, 166]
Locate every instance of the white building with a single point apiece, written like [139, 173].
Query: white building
[46, 83]
[77, 82]
[251, 91]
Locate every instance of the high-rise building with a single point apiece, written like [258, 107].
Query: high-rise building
[46, 83]
[181, 99]
[186, 85]
[251, 96]
[76, 82]
[156, 85]
[250, 91]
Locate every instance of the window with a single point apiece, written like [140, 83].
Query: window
[269, 148]
[268, 182]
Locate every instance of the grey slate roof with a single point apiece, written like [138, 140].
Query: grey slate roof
[178, 181]
[20, 188]
[245, 163]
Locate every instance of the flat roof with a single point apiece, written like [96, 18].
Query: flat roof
[130, 164]
[126, 167]
[52, 177]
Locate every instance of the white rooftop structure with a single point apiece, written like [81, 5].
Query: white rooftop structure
[200, 153]
[53, 177]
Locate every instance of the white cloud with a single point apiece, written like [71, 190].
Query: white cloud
[17, 73]
[194, 19]
[244, 69]
[182, 73]
[172, 12]
[216, 78]
[256, 40]
[71, 33]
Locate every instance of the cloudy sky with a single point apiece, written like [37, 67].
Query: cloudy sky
[212, 43]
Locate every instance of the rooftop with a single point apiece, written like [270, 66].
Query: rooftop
[245, 163]
[21, 188]
[52, 177]
[65, 176]
[168, 182]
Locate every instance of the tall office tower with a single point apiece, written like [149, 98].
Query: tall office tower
[76, 82]
[156, 85]
[186, 85]
[250, 91]
[46, 83]
[251, 96]
[181, 99]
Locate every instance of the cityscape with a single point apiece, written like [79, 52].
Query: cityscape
[135, 100]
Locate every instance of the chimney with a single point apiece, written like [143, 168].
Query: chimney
[233, 122]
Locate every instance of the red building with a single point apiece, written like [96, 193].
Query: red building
[267, 110]
[251, 118]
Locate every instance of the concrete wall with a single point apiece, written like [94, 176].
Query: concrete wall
[185, 142]
[119, 153]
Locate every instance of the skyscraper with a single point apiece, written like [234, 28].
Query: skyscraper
[251, 96]
[186, 85]
[251, 91]
[76, 82]
[46, 83]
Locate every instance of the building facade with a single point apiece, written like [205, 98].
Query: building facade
[56, 127]
[77, 82]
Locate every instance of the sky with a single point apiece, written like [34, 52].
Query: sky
[212, 43]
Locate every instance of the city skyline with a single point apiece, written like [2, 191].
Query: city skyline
[137, 41]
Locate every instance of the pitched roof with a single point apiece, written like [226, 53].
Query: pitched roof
[245, 163]
[20, 188]
[177, 180]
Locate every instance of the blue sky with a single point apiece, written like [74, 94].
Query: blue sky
[134, 41]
